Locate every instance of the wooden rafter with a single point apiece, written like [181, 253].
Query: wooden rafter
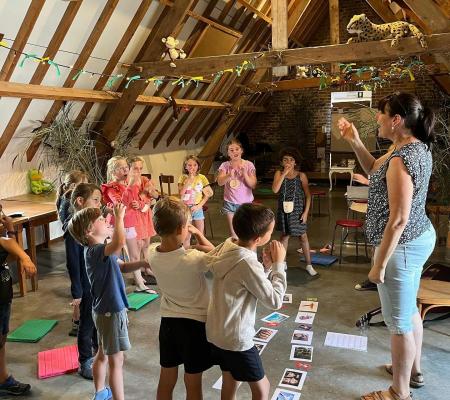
[280, 32]
[438, 43]
[334, 27]
[255, 11]
[118, 52]
[21, 39]
[27, 91]
[215, 24]
[81, 61]
[430, 14]
[118, 113]
[39, 74]
[383, 10]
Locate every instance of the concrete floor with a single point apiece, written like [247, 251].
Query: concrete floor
[335, 375]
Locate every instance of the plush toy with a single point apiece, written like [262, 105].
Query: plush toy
[37, 184]
[172, 51]
[302, 72]
[368, 31]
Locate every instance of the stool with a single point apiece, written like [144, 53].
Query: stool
[432, 294]
[346, 224]
[316, 193]
[206, 212]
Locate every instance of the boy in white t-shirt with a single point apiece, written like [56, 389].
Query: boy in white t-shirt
[184, 299]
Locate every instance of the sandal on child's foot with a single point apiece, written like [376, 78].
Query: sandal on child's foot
[390, 394]
[104, 394]
[416, 381]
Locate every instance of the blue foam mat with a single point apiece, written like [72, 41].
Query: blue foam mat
[321, 259]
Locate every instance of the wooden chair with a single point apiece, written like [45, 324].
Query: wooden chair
[167, 179]
[432, 294]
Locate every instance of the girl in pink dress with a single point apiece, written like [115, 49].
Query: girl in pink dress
[122, 188]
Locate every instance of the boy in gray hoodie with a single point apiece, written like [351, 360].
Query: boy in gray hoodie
[239, 281]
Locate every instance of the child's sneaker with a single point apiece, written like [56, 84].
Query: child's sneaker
[309, 268]
[74, 330]
[85, 369]
[104, 394]
[13, 387]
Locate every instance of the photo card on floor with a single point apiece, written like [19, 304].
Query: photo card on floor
[302, 337]
[264, 334]
[304, 327]
[287, 298]
[305, 317]
[310, 306]
[301, 353]
[260, 346]
[275, 317]
[284, 394]
[293, 379]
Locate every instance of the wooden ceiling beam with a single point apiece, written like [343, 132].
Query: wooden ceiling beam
[438, 43]
[21, 39]
[383, 10]
[79, 64]
[296, 14]
[215, 24]
[118, 113]
[115, 58]
[255, 11]
[41, 70]
[430, 13]
[27, 91]
[280, 32]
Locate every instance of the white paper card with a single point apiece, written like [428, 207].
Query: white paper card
[284, 394]
[305, 317]
[310, 306]
[344, 341]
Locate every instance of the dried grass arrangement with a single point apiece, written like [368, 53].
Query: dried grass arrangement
[66, 147]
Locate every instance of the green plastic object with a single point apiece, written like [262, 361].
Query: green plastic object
[32, 331]
[138, 300]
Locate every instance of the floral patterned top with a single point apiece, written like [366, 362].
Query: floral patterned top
[418, 162]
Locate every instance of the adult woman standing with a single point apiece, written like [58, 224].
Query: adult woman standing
[398, 228]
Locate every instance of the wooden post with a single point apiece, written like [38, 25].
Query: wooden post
[334, 28]
[279, 32]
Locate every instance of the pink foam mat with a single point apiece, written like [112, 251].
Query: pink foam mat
[60, 361]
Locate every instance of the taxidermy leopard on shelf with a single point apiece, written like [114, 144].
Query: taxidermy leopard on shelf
[368, 31]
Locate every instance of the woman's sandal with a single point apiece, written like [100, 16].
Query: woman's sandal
[378, 395]
[416, 381]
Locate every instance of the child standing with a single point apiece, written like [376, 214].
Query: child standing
[109, 304]
[184, 301]
[195, 191]
[239, 281]
[294, 201]
[239, 178]
[71, 179]
[83, 195]
[121, 189]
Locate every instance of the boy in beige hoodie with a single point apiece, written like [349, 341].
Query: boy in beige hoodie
[239, 281]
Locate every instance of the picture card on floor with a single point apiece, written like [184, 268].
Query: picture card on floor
[293, 379]
[260, 346]
[310, 306]
[304, 327]
[264, 334]
[287, 298]
[302, 337]
[284, 394]
[305, 317]
[275, 317]
[344, 341]
[301, 353]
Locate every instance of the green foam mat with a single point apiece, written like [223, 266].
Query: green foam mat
[138, 300]
[32, 331]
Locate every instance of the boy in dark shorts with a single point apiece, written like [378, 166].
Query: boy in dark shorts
[9, 246]
[184, 299]
[239, 281]
[109, 300]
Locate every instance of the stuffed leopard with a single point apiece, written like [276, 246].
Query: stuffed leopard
[368, 31]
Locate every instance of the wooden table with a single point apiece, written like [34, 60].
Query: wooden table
[340, 170]
[35, 213]
[34, 198]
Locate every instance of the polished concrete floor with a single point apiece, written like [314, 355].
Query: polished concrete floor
[336, 374]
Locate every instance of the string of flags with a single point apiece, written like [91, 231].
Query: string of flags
[113, 78]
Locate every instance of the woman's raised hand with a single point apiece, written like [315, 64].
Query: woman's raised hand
[348, 130]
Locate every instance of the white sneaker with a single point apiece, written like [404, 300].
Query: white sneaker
[311, 270]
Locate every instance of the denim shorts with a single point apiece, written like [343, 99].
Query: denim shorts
[229, 208]
[398, 293]
[197, 215]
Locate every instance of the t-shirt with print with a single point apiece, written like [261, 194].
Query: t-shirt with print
[107, 285]
[236, 190]
[194, 192]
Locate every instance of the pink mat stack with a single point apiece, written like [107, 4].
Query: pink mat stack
[60, 361]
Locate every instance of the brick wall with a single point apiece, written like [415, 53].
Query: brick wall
[295, 118]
